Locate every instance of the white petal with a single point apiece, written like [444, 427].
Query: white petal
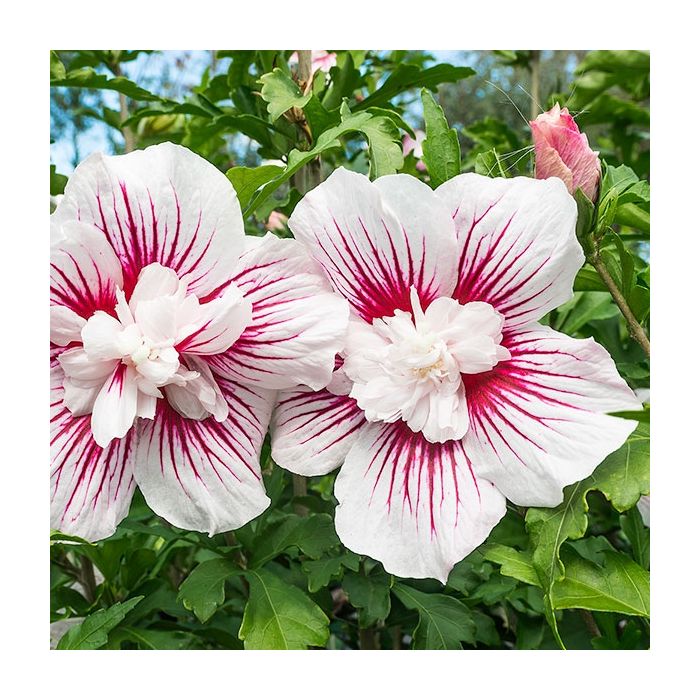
[91, 487]
[79, 398]
[415, 506]
[164, 204]
[101, 337]
[538, 421]
[65, 325]
[298, 324]
[78, 366]
[146, 406]
[159, 319]
[216, 325]
[116, 405]
[376, 240]
[518, 247]
[154, 281]
[200, 396]
[85, 272]
[312, 431]
[201, 474]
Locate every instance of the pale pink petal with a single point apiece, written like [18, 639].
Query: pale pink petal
[79, 397]
[377, 239]
[164, 204]
[76, 364]
[312, 431]
[65, 325]
[199, 397]
[298, 323]
[518, 247]
[116, 406]
[153, 281]
[417, 507]
[91, 487]
[85, 272]
[216, 325]
[201, 474]
[101, 337]
[538, 422]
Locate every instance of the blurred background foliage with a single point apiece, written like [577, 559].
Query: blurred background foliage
[575, 575]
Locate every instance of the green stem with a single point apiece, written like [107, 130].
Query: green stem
[635, 328]
[299, 490]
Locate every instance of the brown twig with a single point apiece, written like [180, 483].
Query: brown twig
[127, 133]
[87, 578]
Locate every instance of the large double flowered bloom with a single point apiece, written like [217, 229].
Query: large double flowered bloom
[449, 396]
[170, 333]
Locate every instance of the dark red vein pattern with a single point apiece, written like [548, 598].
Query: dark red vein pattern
[91, 487]
[205, 475]
[297, 325]
[312, 431]
[417, 506]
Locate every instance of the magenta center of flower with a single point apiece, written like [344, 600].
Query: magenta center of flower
[409, 366]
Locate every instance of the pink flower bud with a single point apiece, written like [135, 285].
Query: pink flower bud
[276, 221]
[562, 151]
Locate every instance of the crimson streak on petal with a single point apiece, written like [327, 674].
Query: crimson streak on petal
[538, 422]
[312, 431]
[205, 475]
[91, 486]
[416, 506]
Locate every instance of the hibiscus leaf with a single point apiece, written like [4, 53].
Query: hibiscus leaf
[385, 154]
[369, 593]
[153, 639]
[638, 535]
[92, 632]
[246, 181]
[622, 477]
[384, 149]
[280, 616]
[345, 78]
[313, 535]
[443, 622]
[441, 146]
[202, 591]
[58, 70]
[513, 563]
[620, 585]
[407, 76]
[322, 571]
[88, 78]
[281, 93]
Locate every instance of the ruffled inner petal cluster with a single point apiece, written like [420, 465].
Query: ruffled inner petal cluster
[409, 366]
[146, 351]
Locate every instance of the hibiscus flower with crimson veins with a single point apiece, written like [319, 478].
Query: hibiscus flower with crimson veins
[171, 331]
[449, 396]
